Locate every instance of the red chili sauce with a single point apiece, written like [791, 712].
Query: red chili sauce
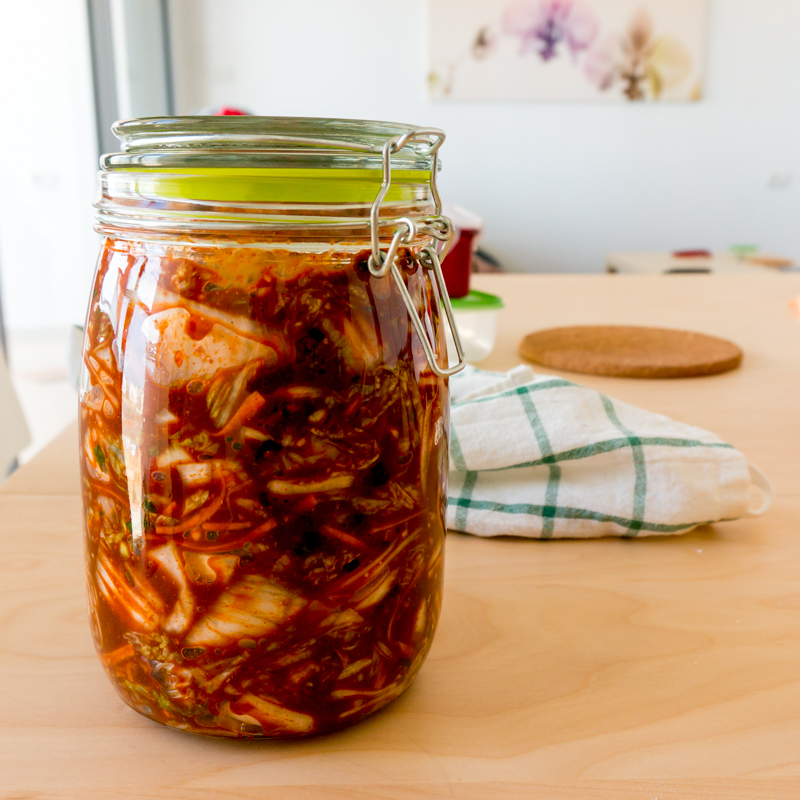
[264, 453]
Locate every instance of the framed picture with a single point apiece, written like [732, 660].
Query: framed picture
[599, 50]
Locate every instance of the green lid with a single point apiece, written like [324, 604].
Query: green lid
[477, 301]
[273, 185]
[247, 159]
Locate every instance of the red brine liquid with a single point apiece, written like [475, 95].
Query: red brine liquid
[264, 458]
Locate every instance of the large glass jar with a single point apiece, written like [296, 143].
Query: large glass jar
[264, 420]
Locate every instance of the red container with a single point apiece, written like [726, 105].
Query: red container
[457, 267]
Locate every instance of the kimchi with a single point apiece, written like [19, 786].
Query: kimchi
[263, 452]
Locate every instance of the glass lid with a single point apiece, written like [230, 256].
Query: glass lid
[244, 170]
[263, 141]
[270, 159]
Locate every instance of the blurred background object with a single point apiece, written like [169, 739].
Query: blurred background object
[131, 63]
[485, 262]
[222, 111]
[476, 319]
[14, 434]
[475, 312]
[694, 262]
[457, 267]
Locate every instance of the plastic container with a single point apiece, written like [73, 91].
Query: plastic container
[263, 430]
[476, 317]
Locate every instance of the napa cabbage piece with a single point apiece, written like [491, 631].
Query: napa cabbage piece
[331, 483]
[209, 568]
[168, 558]
[127, 594]
[235, 322]
[270, 715]
[173, 357]
[227, 391]
[253, 608]
[199, 474]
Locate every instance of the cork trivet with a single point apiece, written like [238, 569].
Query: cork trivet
[630, 352]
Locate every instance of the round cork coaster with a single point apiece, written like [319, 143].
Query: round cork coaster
[630, 352]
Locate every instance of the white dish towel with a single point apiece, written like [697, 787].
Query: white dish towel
[538, 456]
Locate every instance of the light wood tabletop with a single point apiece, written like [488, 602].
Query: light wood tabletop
[659, 668]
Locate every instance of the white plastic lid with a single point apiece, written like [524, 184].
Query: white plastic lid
[463, 219]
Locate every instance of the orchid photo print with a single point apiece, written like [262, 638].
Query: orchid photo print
[604, 50]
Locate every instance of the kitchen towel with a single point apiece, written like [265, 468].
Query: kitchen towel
[542, 457]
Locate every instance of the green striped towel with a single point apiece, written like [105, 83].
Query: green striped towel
[539, 456]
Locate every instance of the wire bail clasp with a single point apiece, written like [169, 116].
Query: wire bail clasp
[406, 230]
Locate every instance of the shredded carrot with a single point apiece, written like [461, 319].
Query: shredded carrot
[405, 649]
[247, 409]
[306, 505]
[124, 598]
[367, 573]
[116, 656]
[265, 527]
[234, 544]
[107, 490]
[353, 405]
[342, 536]
[410, 585]
[395, 522]
[199, 518]
[225, 526]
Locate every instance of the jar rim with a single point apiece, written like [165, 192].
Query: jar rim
[155, 142]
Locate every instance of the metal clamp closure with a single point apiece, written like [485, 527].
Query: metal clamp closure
[390, 147]
[407, 229]
[429, 260]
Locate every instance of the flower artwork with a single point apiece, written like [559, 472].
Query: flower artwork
[543, 26]
[606, 50]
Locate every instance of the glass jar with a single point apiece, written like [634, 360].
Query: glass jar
[264, 420]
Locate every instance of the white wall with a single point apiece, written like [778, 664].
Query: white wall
[48, 164]
[558, 184]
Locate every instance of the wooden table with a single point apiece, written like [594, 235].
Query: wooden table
[660, 668]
